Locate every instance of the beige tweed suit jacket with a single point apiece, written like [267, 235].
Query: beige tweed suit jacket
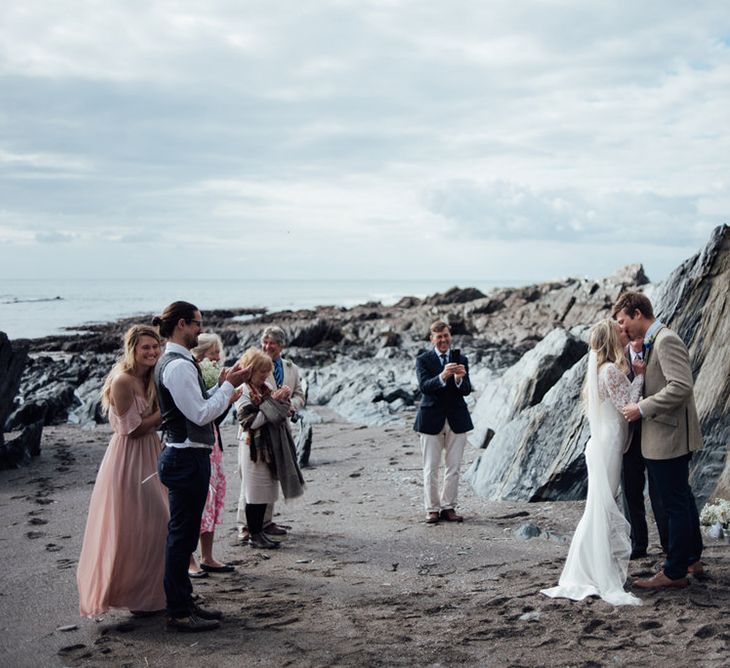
[670, 427]
[293, 380]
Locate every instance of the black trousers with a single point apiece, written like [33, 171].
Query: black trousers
[670, 477]
[633, 481]
[186, 474]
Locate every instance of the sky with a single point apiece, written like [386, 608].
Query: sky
[354, 139]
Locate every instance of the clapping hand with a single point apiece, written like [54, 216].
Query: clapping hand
[282, 394]
[236, 375]
[235, 396]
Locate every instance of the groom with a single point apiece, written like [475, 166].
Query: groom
[670, 433]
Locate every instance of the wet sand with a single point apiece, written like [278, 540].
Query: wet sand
[360, 581]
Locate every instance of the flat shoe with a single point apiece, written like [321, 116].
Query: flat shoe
[274, 530]
[226, 568]
[191, 624]
[196, 575]
[261, 542]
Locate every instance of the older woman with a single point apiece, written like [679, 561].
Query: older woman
[272, 461]
[208, 354]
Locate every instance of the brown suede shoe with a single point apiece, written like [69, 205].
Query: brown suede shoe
[661, 581]
[696, 568]
[274, 530]
[432, 518]
[450, 515]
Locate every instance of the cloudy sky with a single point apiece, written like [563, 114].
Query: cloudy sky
[388, 138]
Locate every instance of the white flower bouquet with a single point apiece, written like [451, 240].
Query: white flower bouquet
[210, 370]
[716, 515]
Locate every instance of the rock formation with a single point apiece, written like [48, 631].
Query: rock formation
[25, 445]
[538, 456]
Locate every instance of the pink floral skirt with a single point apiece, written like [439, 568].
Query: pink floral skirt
[213, 512]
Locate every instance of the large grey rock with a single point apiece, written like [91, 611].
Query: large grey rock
[694, 301]
[538, 456]
[524, 384]
[27, 444]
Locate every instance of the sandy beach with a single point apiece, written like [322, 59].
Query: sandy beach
[360, 581]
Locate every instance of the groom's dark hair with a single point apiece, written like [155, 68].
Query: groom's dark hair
[631, 301]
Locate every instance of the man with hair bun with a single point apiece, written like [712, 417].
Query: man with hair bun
[442, 422]
[188, 411]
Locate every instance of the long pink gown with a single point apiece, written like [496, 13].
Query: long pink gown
[122, 560]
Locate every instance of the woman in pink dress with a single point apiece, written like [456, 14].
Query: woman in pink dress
[208, 354]
[122, 560]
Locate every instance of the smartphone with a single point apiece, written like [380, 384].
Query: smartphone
[455, 356]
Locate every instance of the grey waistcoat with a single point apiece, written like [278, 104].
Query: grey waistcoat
[175, 426]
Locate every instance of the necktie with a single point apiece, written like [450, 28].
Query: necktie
[443, 359]
[278, 373]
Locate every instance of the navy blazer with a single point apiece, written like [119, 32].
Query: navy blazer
[441, 402]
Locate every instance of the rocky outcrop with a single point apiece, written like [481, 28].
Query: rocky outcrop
[524, 384]
[694, 301]
[366, 353]
[538, 456]
[26, 444]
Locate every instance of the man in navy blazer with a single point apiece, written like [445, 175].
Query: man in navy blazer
[442, 421]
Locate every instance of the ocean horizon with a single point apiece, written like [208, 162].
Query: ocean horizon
[32, 308]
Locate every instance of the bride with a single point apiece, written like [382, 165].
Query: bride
[599, 552]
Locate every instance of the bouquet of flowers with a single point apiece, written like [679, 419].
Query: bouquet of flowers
[210, 370]
[717, 516]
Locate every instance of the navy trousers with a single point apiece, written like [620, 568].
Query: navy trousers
[633, 481]
[670, 478]
[186, 474]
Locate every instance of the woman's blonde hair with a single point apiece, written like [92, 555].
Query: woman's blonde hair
[260, 360]
[126, 364]
[207, 342]
[606, 343]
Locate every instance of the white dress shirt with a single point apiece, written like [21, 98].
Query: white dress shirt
[181, 379]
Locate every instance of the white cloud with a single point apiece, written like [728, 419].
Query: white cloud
[355, 124]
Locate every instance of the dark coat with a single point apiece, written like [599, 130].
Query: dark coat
[441, 402]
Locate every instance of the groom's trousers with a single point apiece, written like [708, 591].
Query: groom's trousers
[633, 481]
[670, 478]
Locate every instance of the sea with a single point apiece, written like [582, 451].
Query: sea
[31, 308]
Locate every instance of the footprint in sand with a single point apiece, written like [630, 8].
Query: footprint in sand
[32, 535]
[52, 547]
[37, 521]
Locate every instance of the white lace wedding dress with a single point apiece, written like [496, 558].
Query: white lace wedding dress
[598, 558]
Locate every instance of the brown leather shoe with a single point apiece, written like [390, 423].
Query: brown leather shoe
[450, 515]
[274, 530]
[696, 568]
[432, 518]
[661, 581]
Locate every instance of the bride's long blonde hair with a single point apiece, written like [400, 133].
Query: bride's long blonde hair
[606, 343]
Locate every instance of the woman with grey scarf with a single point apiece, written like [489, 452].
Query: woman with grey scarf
[262, 415]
